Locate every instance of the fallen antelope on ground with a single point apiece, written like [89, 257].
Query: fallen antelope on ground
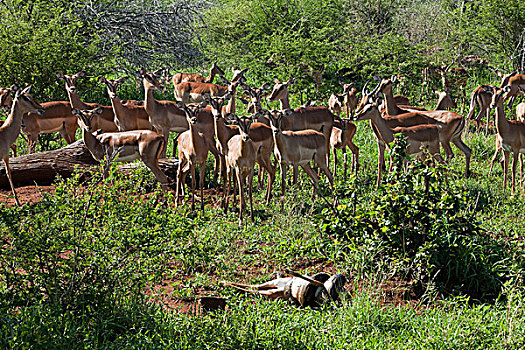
[300, 290]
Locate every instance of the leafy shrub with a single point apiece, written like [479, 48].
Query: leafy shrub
[420, 227]
[81, 246]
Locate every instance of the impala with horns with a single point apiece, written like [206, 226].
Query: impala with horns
[255, 95]
[418, 136]
[517, 86]
[299, 148]
[182, 77]
[105, 120]
[23, 103]
[145, 145]
[510, 138]
[127, 116]
[240, 162]
[166, 116]
[194, 91]
[451, 124]
[193, 149]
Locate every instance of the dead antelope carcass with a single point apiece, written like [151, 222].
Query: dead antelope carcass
[300, 290]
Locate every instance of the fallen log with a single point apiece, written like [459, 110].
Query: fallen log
[42, 168]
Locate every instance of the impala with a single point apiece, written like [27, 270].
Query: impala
[299, 148]
[182, 77]
[517, 86]
[240, 162]
[451, 124]
[510, 138]
[481, 97]
[315, 118]
[426, 135]
[145, 145]
[254, 94]
[342, 134]
[6, 102]
[128, 116]
[195, 91]
[9, 131]
[193, 149]
[105, 120]
[166, 116]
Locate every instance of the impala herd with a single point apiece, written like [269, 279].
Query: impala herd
[296, 137]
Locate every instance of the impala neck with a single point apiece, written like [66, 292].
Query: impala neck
[387, 135]
[76, 101]
[502, 124]
[150, 104]
[13, 123]
[119, 109]
[391, 107]
[211, 76]
[230, 108]
[93, 144]
[285, 101]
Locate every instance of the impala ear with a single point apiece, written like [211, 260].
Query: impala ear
[393, 78]
[290, 81]
[287, 111]
[102, 80]
[121, 80]
[14, 88]
[75, 111]
[506, 88]
[98, 110]
[26, 90]
[80, 74]
[158, 72]
[265, 86]
[275, 80]
[60, 75]
[243, 101]
[376, 77]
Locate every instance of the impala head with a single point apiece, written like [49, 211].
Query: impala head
[191, 111]
[243, 123]
[217, 103]
[112, 85]
[238, 75]
[255, 95]
[151, 80]
[276, 117]
[445, 99]
[498, 97]
[85, 117]
[505, 78]
[5, 96]
[26, 102]
[369, 111]
[216, 70]
[71, 80]
[347, 88]
[339, 100]
[280, 89]
[367, 96]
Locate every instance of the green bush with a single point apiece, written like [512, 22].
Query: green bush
[420, 229]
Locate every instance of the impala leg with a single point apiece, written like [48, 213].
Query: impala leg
[250, 185]
[284, 169]
[295, 173]
[345, 163]
[466, 150]
[515, 157]
[201, 183]
[506, 155]
[10, 178]
[334, 151]
[494, 157]
[308, 169]
[488, 121]
[355, 156]
[326, 170]
[266, 163]
[193, 185]
[242, 205]
[380, 163]
[227, 184]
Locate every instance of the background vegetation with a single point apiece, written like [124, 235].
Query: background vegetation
[434, 260]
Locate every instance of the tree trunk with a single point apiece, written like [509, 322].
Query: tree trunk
[42, 168]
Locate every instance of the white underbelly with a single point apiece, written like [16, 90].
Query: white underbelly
[128, 157]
